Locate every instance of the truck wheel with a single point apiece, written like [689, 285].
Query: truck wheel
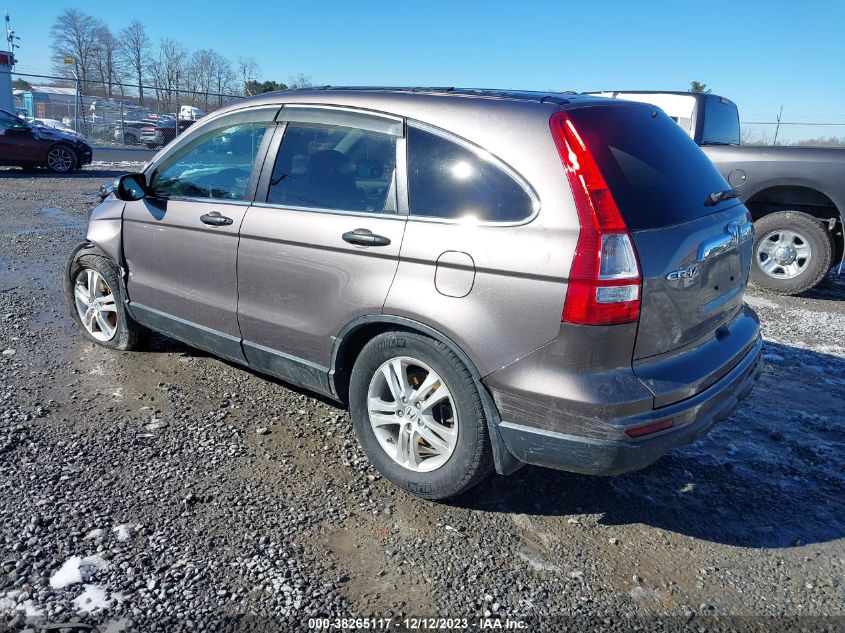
[792, 252]
[418, 415]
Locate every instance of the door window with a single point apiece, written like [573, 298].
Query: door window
[214, 165]
[450, 180]
[8, 122]
[334, 167]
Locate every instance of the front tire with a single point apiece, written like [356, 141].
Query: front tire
[418, 415]
[792, 252]
[95, 303]
[61, 159]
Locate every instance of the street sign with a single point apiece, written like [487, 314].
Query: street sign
[68, 60]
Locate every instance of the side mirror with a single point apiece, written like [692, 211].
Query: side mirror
[131, 187]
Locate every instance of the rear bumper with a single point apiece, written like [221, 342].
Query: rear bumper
[692, 418]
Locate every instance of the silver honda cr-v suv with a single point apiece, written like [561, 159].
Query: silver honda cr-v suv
[486, 279]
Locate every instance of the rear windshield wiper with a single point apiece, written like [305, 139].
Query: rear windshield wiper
[718, 196]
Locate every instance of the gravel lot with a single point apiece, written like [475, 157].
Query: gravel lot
[136, 494]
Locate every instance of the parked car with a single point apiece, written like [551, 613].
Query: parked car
[129, 132]
[25, 144]
[796, 195]
[486, 279]
[163, 131]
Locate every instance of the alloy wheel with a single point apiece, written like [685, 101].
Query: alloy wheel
[60, 159]
[412, 414]
[95, 305]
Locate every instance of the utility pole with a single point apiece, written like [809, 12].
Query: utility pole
[7, 64]
[11, 37]
[777, 127]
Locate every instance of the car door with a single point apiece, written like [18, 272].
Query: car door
[181, 241]
[320, 246]
[18, 142]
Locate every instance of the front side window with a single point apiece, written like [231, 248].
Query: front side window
[448, 180]
[215, 165]
[334, 167]
[9, 122]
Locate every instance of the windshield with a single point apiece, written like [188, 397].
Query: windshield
[721, 122]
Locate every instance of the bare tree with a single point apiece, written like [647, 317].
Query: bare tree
[248, 72]
[200, 75]
[167, 69]
[822, 141]
[750, 135]
[134, 50]
[105, 59]
[300, 80]
[74, 34]
[224, 76]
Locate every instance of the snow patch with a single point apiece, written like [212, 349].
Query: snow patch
[95, 533]
[9, 605]
[93, 598]
[75, 570]
[117, 626]
[30, 610]
[122, 531]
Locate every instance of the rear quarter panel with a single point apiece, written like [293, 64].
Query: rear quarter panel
[516, 299]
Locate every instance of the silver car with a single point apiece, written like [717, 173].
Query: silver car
[486, 279]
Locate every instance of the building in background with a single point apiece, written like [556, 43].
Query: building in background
[7, 61]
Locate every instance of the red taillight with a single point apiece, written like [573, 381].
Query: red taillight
[605, 280]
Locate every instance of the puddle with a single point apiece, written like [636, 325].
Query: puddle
[62, 217]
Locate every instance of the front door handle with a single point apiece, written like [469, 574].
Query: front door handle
[365, 237]
[215, 219]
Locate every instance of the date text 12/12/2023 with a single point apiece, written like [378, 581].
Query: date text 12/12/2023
[416, 624]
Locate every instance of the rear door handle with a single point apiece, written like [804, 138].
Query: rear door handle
[365, 237]
[215, 219]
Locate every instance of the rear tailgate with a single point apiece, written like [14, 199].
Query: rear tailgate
[694, 255]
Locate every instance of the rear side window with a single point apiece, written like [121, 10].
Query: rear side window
[448, 180]
[334, 167]
[721, 123]
[657, 174]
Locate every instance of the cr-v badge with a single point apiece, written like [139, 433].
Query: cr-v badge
[683, 273]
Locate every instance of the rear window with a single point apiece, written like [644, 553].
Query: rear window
[721, 123]
[657, 174]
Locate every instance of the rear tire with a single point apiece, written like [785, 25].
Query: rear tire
[459, 455]
[93, 284]
[792, 252]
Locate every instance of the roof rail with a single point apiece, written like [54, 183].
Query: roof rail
[522, 95]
